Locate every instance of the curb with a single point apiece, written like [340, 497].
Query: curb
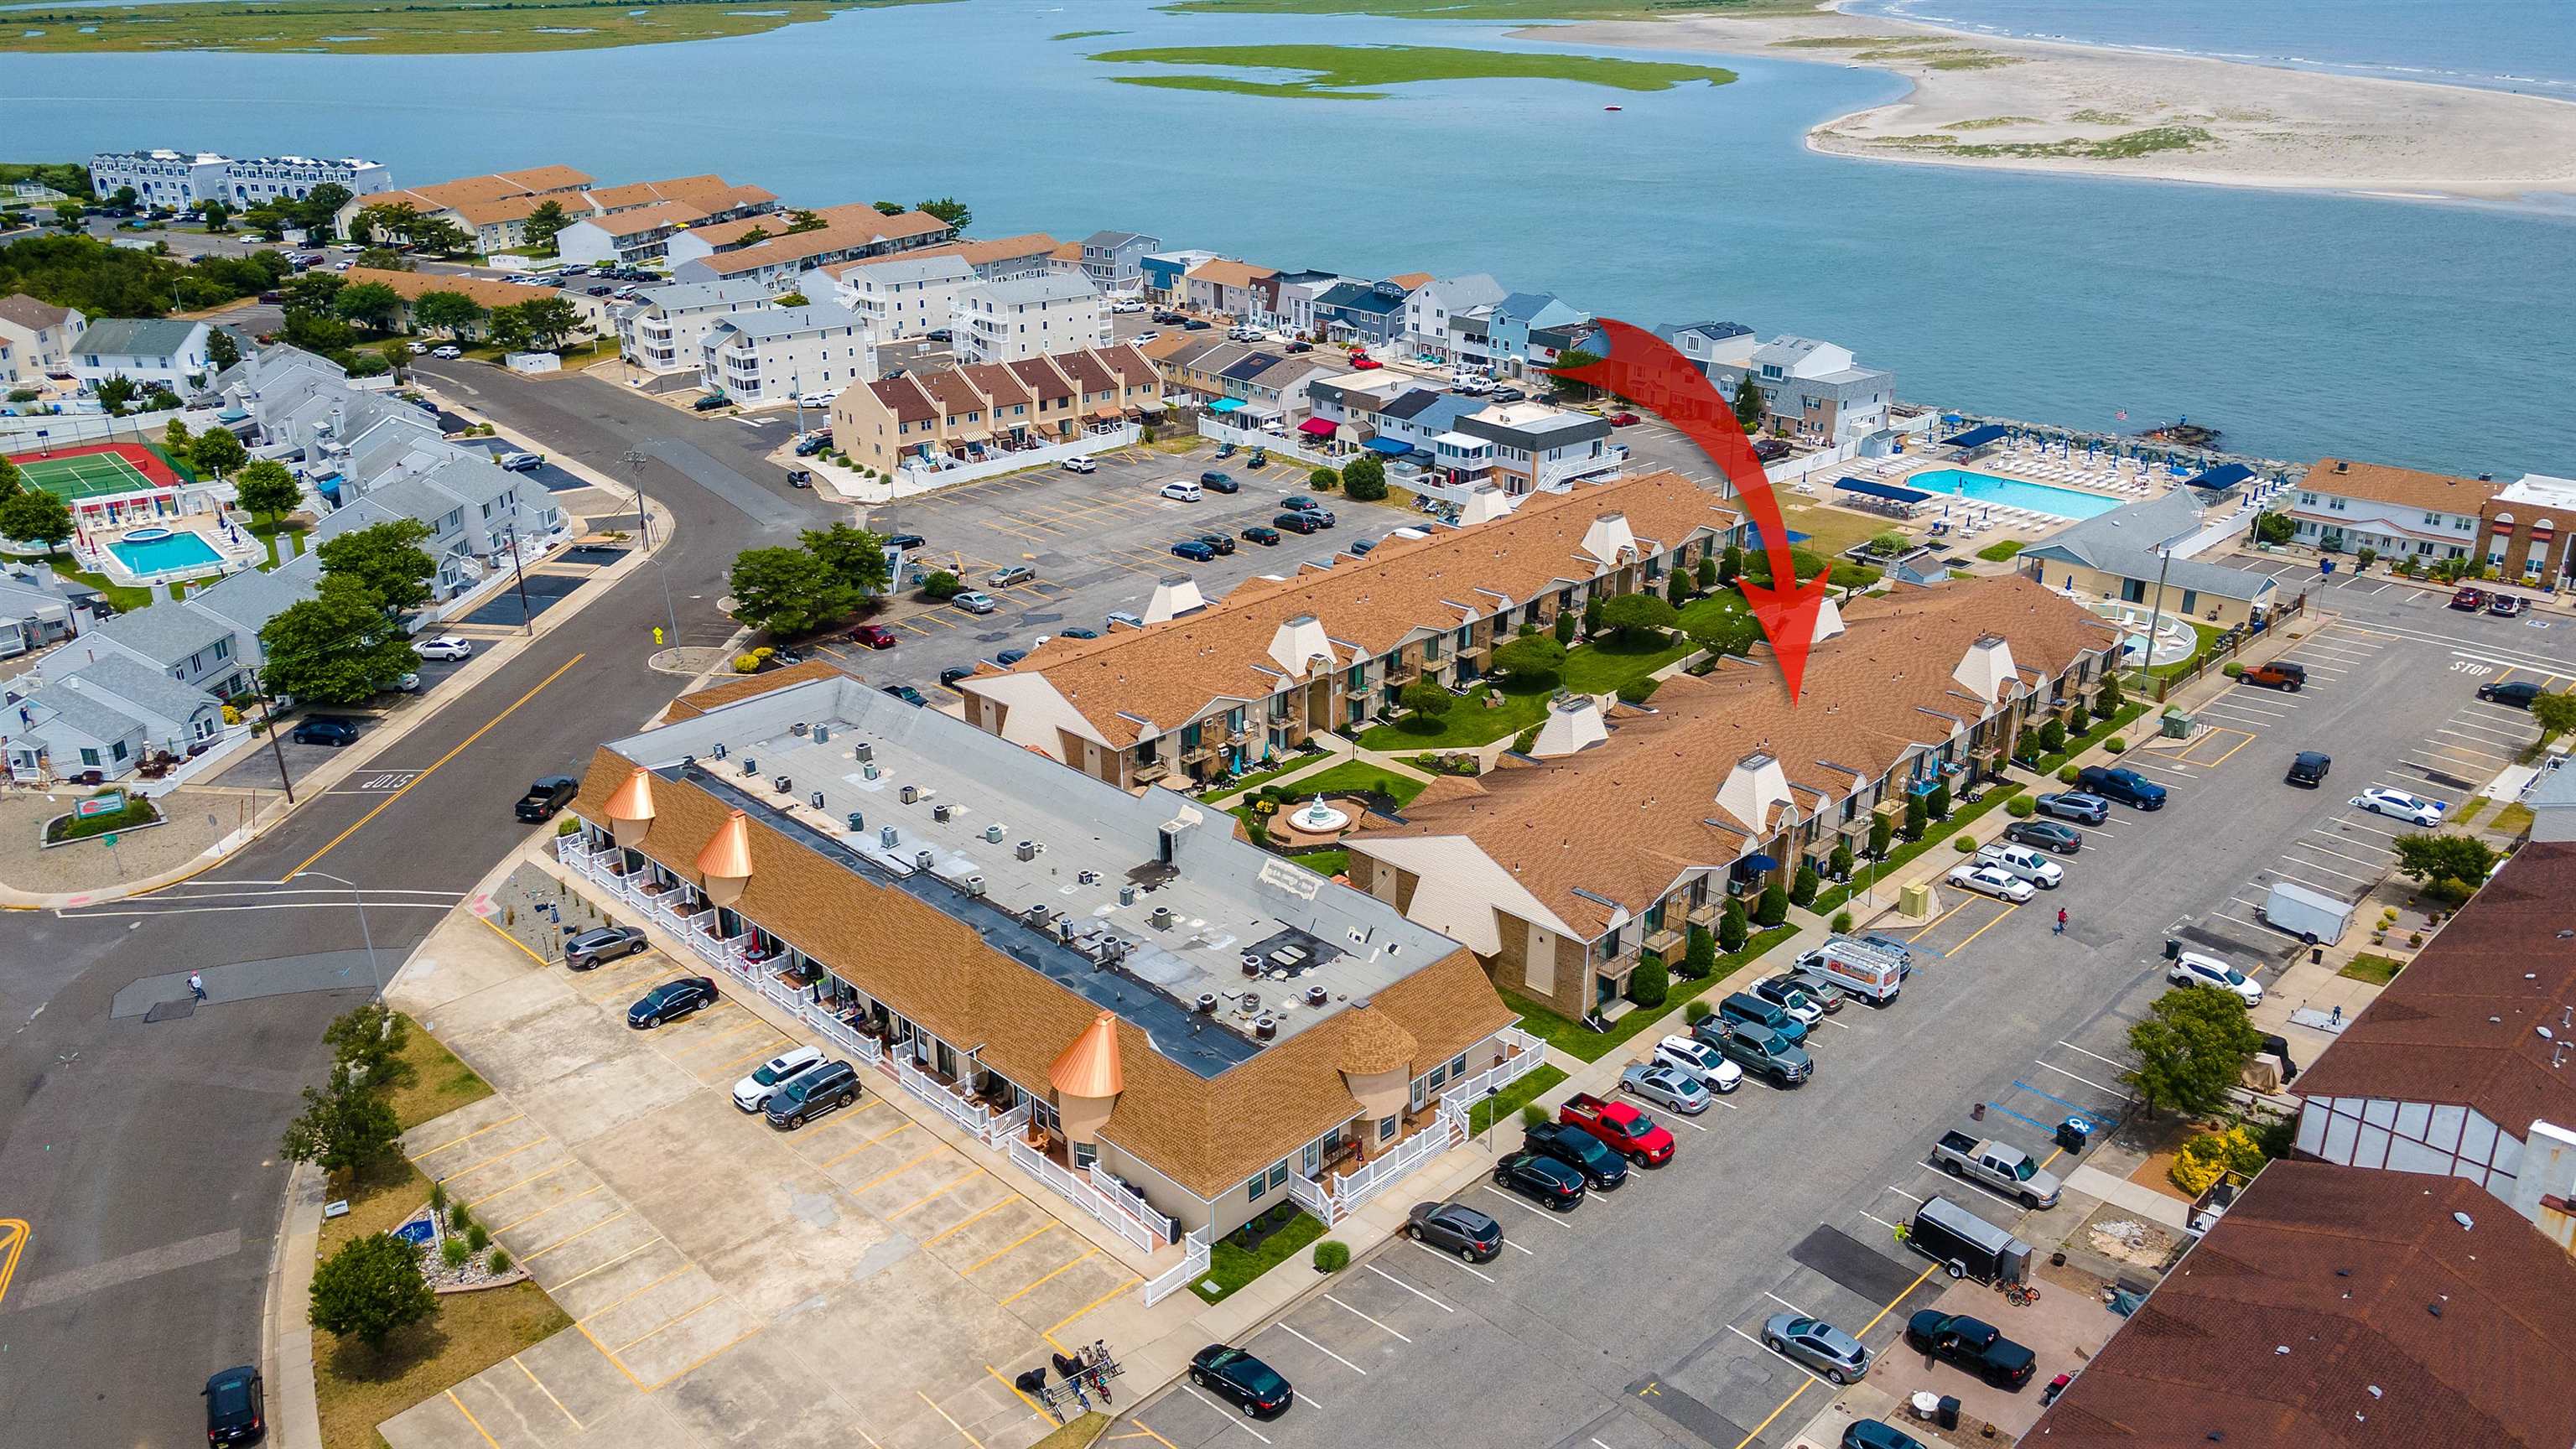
[286, 1339]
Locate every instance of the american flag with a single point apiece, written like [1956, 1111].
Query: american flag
[2122, 415]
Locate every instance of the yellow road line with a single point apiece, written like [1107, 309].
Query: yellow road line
[2231, 754]
[1145, 1431]
[749, 1021]
[1132, 1281]
[1087, 1255]
[707, 1358]
[504, 935]
[987, 1259]
[366, 819]
[468, 1137]
[550, 1207]
[611, 1263]
[594, 1227]
[894, 1172]
[1945, 915]
[522, 1182]
[1981, 930]
[934, 1195]
[952, 1423]
[951, 1232]
[667, 1322]
[549, 1393]
[647, 1288]
[1804, 1380]
[749, 1055]
[469, 1418]
[1034, 1406]
[585, 1332]
[12, 1247]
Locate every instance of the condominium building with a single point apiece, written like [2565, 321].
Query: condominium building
[1629, 829]
[1030, 317]
[713, 197]
[1115, 260]
[180, 179]
[150, 352]
[779, 354]
[494, 207]
[665, 334]
[1809, 388]
[1225, 287]
[1112, 991]
[763, 249]
[910, 294]
[937, 419]
[2528, 524]
[2343, 506]
[489, 293]
[1201, 691]
[627, 237]
[39, 336]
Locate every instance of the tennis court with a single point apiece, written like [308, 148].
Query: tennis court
[100, 470]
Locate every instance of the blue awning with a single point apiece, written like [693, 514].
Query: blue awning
[1391, 447]
[1756, 864]
[1868, 488]
[1225, 405]
[2225, 475]
[1978, 437]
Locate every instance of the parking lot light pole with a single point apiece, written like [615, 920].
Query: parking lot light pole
[364, 934]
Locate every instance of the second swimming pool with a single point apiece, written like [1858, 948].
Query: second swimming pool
[2010, 493]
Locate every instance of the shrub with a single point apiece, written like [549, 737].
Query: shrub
[1707, 574]
[1915, 818]
[2212, 1155]
[1881, 835]
[2052, 736]
[2020, 807]
[1697, 1012]
[942, 585]
[1773, 907]
[2066, 774]
[1699, 958]
[438, 1190]
[1649, 985]
[453, 1252]
[1332, 1256]
[369, 1288]
[1839, 864]
[1937, 803]
[458, 1219]
[1802, 888]
[1323, 479]
[566, 827]
[1963, 843]
[2107, 703]
[745, 664]
[2116, 745]
[1564, 628]
[499, 1261]
[478, 1237]
[1534, 1115]
[1731, 929]
[1842, 921]
[2232, 669]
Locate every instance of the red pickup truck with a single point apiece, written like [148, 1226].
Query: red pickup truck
[1630, 1133]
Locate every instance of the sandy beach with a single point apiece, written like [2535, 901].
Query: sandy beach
[2048, 106]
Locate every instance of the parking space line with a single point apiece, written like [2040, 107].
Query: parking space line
[568, 1161]
[549, 1393]
[2329, 870]
[1873, 1217]
[1409, 1288]
[2231, 754]
[584, 1330]
[594, 1227]
[749, 1055]
[929, 1197]
[1543, 1213]
[2088, 1081]
[2239, 920]
[469, 1418]
[893, 1172]
[1046, 1227]
[2097, 1056]
[1945, 915]
[1133, 1281]
[1291, 1329]
[1235, 1419]
[952, 1423]
[647, 1288]
[1458, 1262]
[1774, 1353]
[1034, 1406]
[1785, 1303]
[1981, 930]
[470, 1136]
[1086, 1255]
[2301, 880]
[951, 1232]
[1900, 1192]
[604, 1267]
[488, 1161]
[1336, 1302]
[550, 1207]
[667, 1322]
[905, 1125]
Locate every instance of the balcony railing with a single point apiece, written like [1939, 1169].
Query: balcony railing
[1664, 942]
[1707, 914]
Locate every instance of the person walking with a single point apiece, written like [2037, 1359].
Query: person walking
[196, 987]
[2061, 922]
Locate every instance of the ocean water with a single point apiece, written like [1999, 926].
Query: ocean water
[2301, 324]
[2511, 45]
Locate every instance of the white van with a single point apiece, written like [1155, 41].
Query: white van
[1183, 492]
[1873, 974]
[2023, 863]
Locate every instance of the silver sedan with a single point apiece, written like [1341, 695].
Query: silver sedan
[1817, 1345]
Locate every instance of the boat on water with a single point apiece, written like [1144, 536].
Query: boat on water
[1614, 108]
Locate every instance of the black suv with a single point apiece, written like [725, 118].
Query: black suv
[2308, 767]
[236, 1407]
[809, 1095]
[326, 730]
[2127, 786]
[1603, 1169]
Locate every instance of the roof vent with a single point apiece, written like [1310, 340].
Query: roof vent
[1317, 996]
[869, 772]
[863, 752]
[992, 834]
[1161, 919]
[923, 858]
[908, 794]
[720, 751]
[942, 813]
[797, 729]
[750, 767]
[1265, 1028]
[888, 837]
[784, 784]
[2464, 1220]
[1206, 1003]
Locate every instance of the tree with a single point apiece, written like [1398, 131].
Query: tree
[2463, 858]
[217, 451]
[1802, 890]
[1730, 565]
[798, 221]
[1564, 627]
[265, 489]
[1364, 479]
[368, 1289]
[337, 647]
[345, 1125]
[1633, 616]
[539, 326]
[320, 206]
[1726, 631]
[385, 259]
[2275, 528]
[453, 313]
[218, 214]
[2107, 703]
[313, 292]
[753, 237]
[1706, 573]
[543, 224]
[2191, 1049]
[1881, 836]
[368, 1040]
[1731, 929]
[175, 437]
[856, 557]
[36, 516]
[787, 591]
[1531, 656]
[371, 305]
[2052, 735]
[1773, 908]
[1936, 801]
[1839, 864]
[1916, 818]
[222, 349]
[117, 393]
[941, 585]
[1748, 403]
[1591, 616]
[12, 482]
[441, 236]
[1676, 588]
[125, 196]
[1649, 984]
[1323, 480]
[948, 209]
[385, 559]
[395, 222]
[67, 215]
[2554, 713]
[161, 400]
[1427, 701]
[1573, 359]
[1699, 958]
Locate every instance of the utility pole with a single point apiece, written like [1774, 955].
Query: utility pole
[268, 726]
[635, 462]
[527, 616]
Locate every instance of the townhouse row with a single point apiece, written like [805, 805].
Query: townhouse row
[931, 420]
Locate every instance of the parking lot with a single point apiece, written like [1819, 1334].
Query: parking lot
[1099, 543]
[1636, 1318]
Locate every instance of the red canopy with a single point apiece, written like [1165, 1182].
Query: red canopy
[1316, 427]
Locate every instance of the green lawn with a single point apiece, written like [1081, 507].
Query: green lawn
[1359, 775]
[134, 814]
[1577, 1040]
[1588, 669]
[2377, 970]
[125, 597]
[1259, 778]
[2000, 551]
[1230, 1267]
[1508, 1102]
[1345, 72]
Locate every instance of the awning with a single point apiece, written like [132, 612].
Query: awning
[1391, 447]
[1868, 488]
[1107, 415]
[1148, 406]
[1756, 864]
[1978, 437]
[1225, 405]
[1317, 427]
[2225, 475]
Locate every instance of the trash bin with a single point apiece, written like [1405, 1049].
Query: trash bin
[1946, 1415]
[2075, 1134]
[2173, 949]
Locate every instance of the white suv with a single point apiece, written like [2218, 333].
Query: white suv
[752, 1092]
[1699, 1061]
[445, 646]
[2193, 969]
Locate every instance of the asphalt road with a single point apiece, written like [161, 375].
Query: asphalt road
[143, 1153]
[1624, 1323]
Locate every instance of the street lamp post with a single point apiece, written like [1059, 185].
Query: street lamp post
[364, 934]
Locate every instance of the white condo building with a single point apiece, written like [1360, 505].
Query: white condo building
[181, 179]
[776, 354]
[1030, 317]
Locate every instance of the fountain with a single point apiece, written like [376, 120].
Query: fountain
[1319, 818]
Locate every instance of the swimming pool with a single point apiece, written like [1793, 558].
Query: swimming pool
[2010, 493]
[149, 551]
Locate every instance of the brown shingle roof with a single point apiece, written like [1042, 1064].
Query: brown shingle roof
[28, 312]
[1042, 379]
[2402, 486]
[641, 219]
[465, 190]
[1171, 672]
[2456, 1027]
[1208, 1134]
[843, 226]
[903, 397]
[973, 253]
[690, 706]
[412, 285]
[1226, 272]
[1129, 364]
[708, 193]
[2345, 1268]
[999, 385]
[501, 209]
[953, 393]
[1087, 371]
[1372, 1042]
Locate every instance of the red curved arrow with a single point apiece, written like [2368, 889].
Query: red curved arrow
[1649, 372]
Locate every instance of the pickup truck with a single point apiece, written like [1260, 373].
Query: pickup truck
[1628, 1131]
[2006, 1169]
[1972, 1344]
[1757, 1049]
[545, 797]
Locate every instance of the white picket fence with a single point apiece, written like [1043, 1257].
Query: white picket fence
[1079, 1189]
[1458, 1099]
[1194, 1261]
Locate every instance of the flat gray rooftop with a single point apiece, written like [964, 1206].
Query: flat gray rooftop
[1146, 905]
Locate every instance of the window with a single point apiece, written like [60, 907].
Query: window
[89, 757]
[1279, 1173]
[1259, 1184]
[1386, 1129]
[1085, 1154]
[1458, 1068]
